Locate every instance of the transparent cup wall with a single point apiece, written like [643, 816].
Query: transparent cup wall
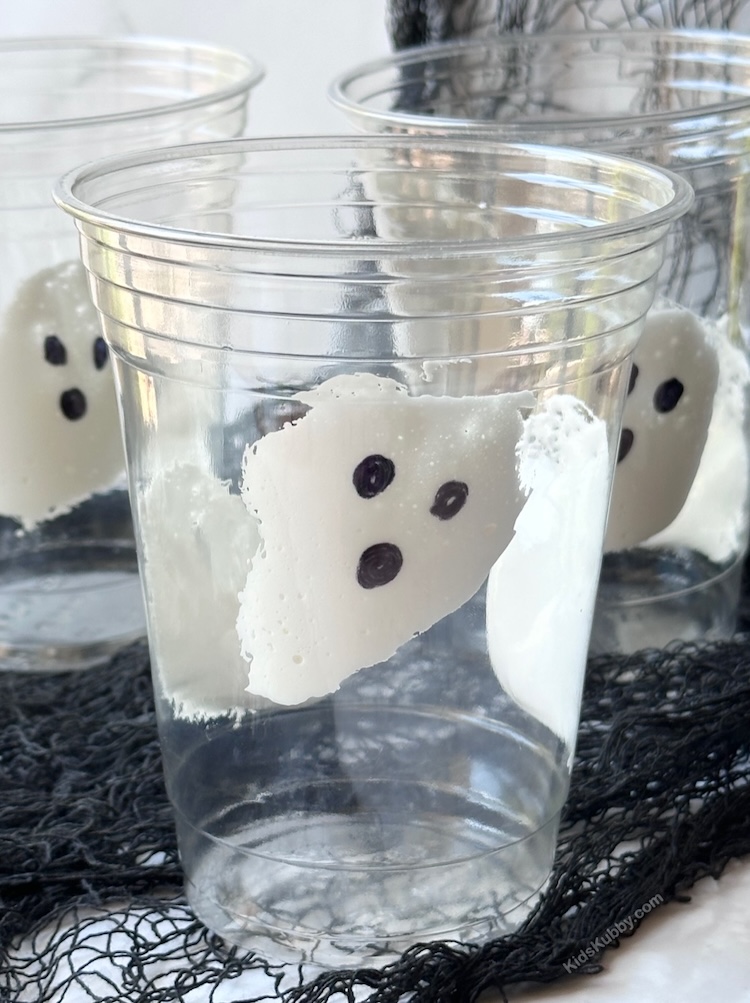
[370, 450]
[69, 589]
[679, 522]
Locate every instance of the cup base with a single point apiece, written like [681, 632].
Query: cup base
[383, 828]
[246, 906]
[648, 598]
[71, 607]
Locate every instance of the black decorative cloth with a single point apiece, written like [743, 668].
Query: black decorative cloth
[90, 885]
[419, 22]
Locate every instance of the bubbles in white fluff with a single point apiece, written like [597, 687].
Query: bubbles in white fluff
[59, 431]
[345, 576]
[541, 590]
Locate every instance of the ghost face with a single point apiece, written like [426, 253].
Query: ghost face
[378, 514]
[671, 393]
[59, 430]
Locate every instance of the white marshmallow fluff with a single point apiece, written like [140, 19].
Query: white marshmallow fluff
[197, 551]
[363, 523]
[713, 519]
[378, 514]
[665, 425]
[541, 586]
[59, 432]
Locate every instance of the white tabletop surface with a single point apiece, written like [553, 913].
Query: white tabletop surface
[697, 952]
[689, 953]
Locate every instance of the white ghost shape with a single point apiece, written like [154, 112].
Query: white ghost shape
[379, 514]
[665, 425]
[59, 431]
[541, 591]
[197, 541]
[713, 520]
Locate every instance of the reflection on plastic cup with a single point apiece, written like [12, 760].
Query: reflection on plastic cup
[371, 391]
[678, 525]
[69, 589]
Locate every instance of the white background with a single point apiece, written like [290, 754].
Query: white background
[303, 44]
[689, 953]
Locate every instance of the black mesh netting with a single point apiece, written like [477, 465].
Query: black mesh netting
[90, 887]
[415, 22]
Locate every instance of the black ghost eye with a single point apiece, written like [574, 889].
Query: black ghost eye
[668, 395]
[101, 353]
[450, 498]
[378, 565]
[633, 377]
[54, 351]
[373, 475]
[73, 404]
[626, 444]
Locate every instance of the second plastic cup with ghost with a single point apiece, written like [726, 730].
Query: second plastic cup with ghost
[69, 590]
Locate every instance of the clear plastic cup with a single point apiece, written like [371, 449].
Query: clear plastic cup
[69, 589]
[678, 528]
[371, 391]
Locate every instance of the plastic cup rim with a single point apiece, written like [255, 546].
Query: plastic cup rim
[64, 194]
[517, 129]
[253, 74]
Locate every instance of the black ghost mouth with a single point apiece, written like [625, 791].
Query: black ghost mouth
[73, 404]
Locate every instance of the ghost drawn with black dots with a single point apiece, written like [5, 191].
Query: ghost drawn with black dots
[670, 396]
[378, 514]
[59, 431]
[381, 562]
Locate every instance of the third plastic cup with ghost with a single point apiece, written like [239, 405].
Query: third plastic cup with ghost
[680, 513]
